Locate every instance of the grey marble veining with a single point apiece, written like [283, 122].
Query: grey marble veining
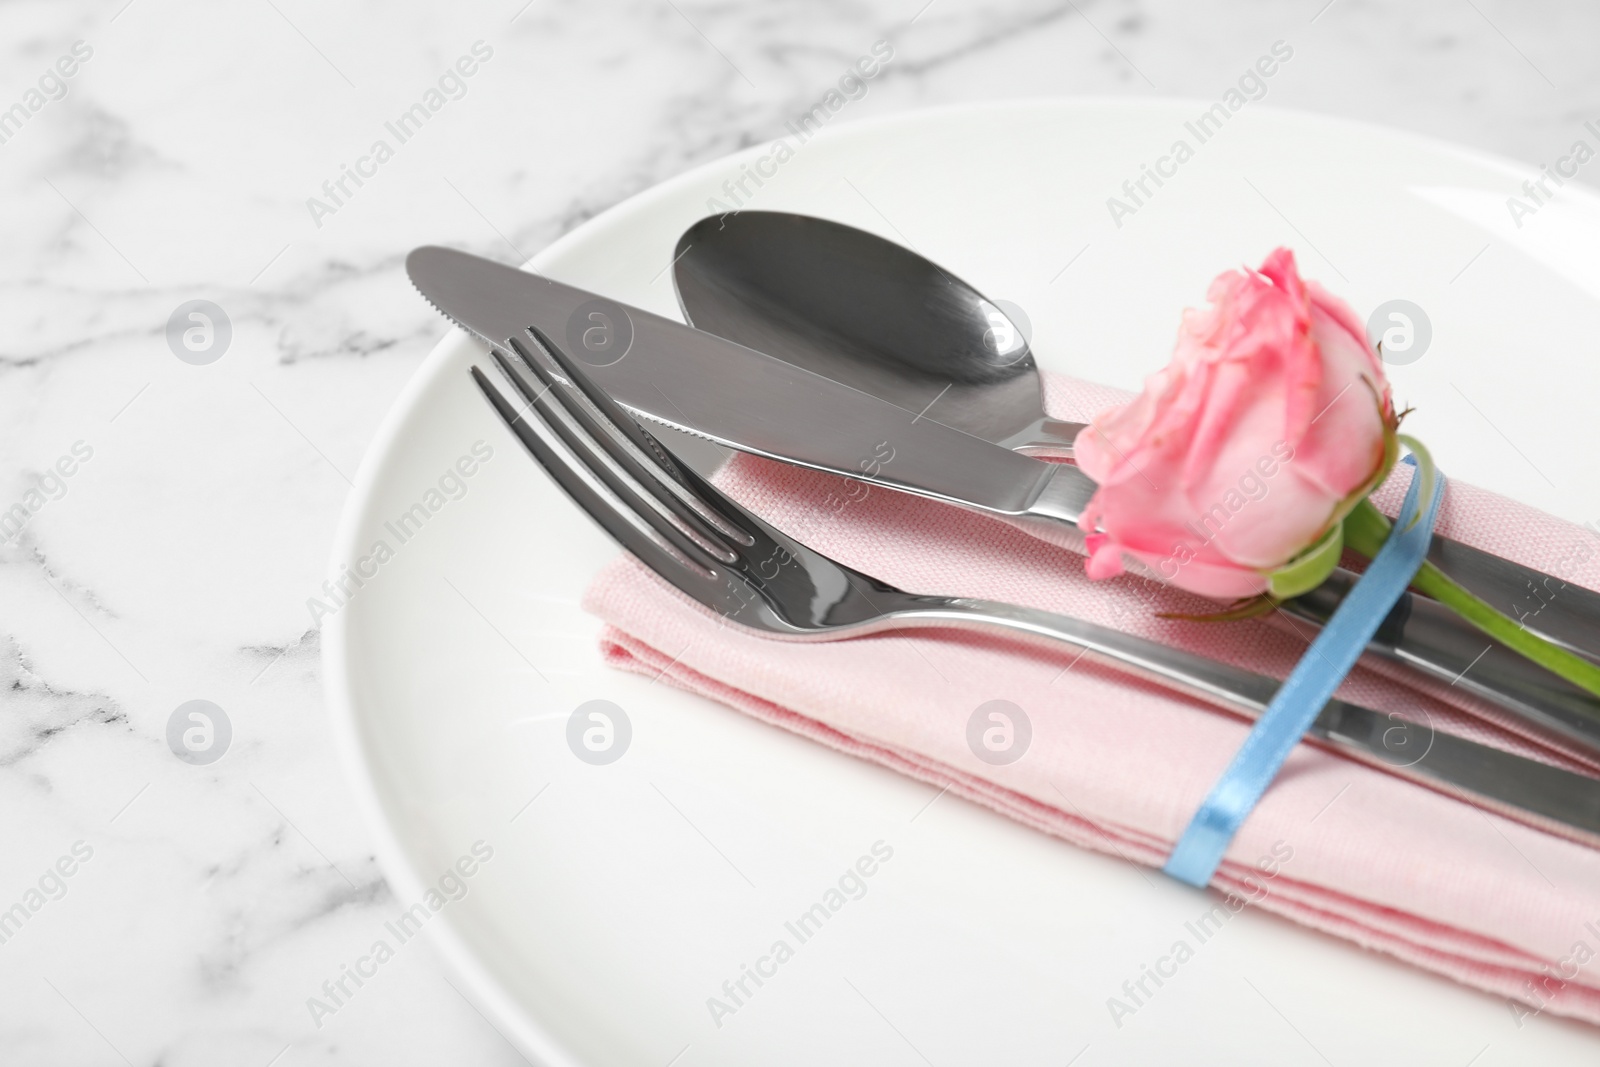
[175, 562]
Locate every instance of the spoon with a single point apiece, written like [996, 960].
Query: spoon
[875, 315]
[861, 310]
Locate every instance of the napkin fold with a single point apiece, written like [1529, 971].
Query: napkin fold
[1118, 765]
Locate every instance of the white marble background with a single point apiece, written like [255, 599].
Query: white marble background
[178, 561]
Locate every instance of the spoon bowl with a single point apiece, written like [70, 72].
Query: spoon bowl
[868, 312]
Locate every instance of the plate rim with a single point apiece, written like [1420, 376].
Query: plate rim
[526, 1032]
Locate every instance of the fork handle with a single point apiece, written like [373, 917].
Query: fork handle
[1420, 632]
[1526, 790]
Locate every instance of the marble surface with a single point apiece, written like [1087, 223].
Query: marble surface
[207, 903]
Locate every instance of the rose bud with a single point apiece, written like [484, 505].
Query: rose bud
[1230, 474]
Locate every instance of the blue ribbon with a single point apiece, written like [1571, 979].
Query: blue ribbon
[1306, 691]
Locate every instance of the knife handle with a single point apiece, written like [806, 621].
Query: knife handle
[1429, 637]
[1557, 610]
[1418, 632]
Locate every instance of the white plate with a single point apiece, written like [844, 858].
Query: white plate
[622, 898]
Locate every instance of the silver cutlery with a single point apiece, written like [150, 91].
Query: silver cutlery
[870, 313]
[873, 314]
[714, 388]
[731, 562]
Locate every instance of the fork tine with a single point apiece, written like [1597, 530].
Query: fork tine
[661, 546]
[771, 578]
[635, 476]
[630, 436]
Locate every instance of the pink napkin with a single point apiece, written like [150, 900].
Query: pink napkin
[1118, 765]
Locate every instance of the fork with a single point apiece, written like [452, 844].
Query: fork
[728, 560]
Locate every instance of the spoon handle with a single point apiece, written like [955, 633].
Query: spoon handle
[1047, 437]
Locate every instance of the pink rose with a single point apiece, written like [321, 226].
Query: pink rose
[1272, 420]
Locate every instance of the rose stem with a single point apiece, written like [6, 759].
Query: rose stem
[1365, 530]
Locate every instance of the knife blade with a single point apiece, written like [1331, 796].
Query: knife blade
[713, 388]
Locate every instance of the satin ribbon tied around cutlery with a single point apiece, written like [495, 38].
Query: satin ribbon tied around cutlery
[1307, 689]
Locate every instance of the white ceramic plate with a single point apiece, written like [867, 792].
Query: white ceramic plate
[624, 896]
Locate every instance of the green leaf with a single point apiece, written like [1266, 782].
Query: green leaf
[1427, 470]
[1308, 570]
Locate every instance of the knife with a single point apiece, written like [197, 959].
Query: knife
[716, 389]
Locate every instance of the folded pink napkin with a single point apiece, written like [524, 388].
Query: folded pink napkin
[1119, 765]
